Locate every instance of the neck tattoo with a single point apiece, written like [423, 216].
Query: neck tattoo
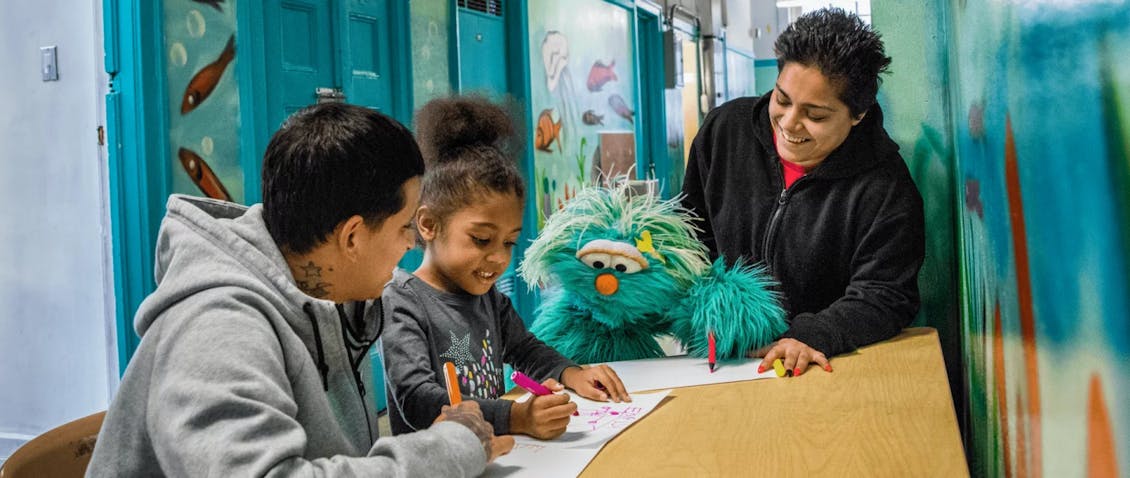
[310, 280]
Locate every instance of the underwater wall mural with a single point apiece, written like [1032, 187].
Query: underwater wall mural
[203, 98]
[583, 96]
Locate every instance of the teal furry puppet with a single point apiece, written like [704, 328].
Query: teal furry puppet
[622, 269]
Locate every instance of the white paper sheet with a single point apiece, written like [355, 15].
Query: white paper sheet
[596, 424]
[684, 371]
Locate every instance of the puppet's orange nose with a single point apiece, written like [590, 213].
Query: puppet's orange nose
[607, 284]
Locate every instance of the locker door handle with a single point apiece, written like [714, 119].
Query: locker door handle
[329, 95]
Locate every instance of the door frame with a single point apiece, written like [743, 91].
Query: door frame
[137, 130]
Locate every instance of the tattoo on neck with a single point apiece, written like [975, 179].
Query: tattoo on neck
[311, 283]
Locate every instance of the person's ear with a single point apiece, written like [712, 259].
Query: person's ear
[859, 118]
[427, 223]
[350, 238]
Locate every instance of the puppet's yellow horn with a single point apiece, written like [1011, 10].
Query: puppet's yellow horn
[644, 242]
[644, 245]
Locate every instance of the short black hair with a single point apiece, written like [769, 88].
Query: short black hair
[468, 144]
[332, 161]
[845, 49]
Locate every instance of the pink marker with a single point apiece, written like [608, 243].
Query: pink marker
[529, 384]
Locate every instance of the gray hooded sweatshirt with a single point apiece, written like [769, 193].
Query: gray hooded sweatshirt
[239, 373]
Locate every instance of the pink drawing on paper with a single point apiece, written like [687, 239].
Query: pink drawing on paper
[607, 417]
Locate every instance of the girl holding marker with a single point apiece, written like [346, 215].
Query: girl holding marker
[448, 310]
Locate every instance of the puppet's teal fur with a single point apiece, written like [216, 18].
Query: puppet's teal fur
[680, 293]
[564, 323]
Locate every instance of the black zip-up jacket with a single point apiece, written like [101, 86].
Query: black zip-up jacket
[845, 241]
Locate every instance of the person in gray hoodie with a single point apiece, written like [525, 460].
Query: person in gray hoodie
[254, 348]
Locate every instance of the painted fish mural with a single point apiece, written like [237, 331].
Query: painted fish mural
[547, 131]
[206, 79]
[601, 74]
[621, 108]
[212, 3]
[590, 118]
[202, 175]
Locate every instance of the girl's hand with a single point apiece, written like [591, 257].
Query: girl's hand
[544, 417]
[470, 415]
[794, 354]
[596, 382]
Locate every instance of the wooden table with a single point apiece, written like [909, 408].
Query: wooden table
[885, 410]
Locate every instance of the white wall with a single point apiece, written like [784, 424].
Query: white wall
[739, 26]
[766, 27]
[56, 337]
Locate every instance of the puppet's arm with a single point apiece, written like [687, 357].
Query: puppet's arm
[736, 303]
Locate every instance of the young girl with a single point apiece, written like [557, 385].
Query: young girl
[469, 219]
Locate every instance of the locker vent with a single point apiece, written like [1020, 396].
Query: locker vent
[489, 7]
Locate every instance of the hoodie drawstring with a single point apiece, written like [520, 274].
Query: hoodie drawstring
[348, 336]
[322, 367]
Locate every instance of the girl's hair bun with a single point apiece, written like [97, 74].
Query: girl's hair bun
[447, 127]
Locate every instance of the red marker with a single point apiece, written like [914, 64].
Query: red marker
[710, 343]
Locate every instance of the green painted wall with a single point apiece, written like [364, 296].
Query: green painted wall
[1015, 113]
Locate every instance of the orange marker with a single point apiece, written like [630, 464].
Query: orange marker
[452, 380]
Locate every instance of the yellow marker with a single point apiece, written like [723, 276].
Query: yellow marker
[779, 367]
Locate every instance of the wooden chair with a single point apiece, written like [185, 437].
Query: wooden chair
[63, 451]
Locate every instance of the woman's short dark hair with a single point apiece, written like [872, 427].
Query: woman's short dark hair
[469, 146]
[330, 162]
[845, 49]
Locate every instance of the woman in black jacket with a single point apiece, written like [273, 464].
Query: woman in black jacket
[805, 181]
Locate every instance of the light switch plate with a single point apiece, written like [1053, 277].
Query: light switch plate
[50, 63]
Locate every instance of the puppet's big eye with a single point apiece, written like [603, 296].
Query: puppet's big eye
[625, 265]
[597, 260]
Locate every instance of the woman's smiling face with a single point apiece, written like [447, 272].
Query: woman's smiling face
[809, 119]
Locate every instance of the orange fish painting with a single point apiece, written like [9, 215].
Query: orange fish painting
[202, 175]
[547, 131]
[206, 79]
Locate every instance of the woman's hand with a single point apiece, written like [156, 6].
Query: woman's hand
[794, 354]
[543, 417]
[470, 415]
[596, 382]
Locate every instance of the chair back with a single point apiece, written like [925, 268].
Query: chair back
[63, 451]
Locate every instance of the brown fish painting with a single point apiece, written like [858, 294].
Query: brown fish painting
[590, 118]
[547, 131]
[202, 175]
[600, 74]
[206, 79]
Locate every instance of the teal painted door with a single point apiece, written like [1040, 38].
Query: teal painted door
[365, 54]
[300, 55]
[337, 50]
[341, 48]
[482, 53]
